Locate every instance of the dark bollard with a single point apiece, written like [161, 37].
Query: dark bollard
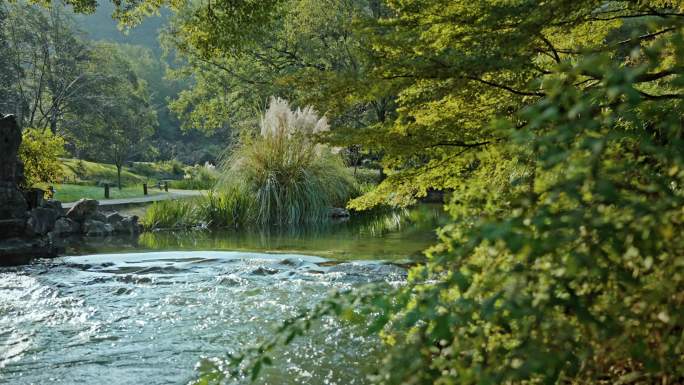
[106, 186]
[166, 186]
[144, 188]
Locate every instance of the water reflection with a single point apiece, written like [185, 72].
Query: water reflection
[390, 235]
[151, 317]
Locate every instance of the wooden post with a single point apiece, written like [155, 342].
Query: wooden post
[144, 188]
[106, 186]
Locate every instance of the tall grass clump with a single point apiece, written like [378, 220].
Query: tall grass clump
[291, 178]
[171, 214]
[231, 207]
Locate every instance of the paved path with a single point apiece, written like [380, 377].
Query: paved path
[172, 194]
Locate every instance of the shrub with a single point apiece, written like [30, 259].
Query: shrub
[175, 167]
[197, 178]
[293, 179]
[366, 175]
[40, 151]
[232, 207]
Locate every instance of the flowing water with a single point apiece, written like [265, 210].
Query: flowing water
[147, 311]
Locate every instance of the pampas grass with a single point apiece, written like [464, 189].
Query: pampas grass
[281, 177]
[291, 177]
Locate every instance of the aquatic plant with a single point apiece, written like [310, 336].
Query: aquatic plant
[232, 207]
[171, 214]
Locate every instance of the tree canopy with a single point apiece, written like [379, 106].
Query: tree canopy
[555, 128]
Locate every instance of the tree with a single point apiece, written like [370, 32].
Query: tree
[7, 74]
[310, 54]
[116, 127]
[40, 151]
[46, 59]
[556, 128]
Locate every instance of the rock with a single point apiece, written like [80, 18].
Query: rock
[22, 234]
[93, 228]
[19, 177]
[98, 216]
[12, 202]
[53, 204]
[10, 139]
[17, 251]
[338, 212]
[35, 197]
[82, 210]
[128, 225]
[41, 220]
[65, 227]
[10, 228]
[113, 218]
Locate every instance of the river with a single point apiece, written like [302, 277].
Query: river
[148, 310]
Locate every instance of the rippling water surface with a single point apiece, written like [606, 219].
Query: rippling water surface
[148, 318]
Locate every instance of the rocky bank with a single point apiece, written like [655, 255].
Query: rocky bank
[32, 227]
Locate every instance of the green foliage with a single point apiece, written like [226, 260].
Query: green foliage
[293, 179]
[366, 175]
[158, 170]
[556, 128]
[280, 177]
[232, 207]
[40, 151]
[170, 214]
[45, 66]
[308, 53]
[86, 172]
[117, 128]
[88, 93]
[197, 178]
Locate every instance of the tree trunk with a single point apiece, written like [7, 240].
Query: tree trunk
[118, 175]
[53, 120]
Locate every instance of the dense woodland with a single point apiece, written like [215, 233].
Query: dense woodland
[554, 129]
[79, 76]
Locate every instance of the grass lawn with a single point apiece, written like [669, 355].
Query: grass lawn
[98, 172]
[72, 192]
